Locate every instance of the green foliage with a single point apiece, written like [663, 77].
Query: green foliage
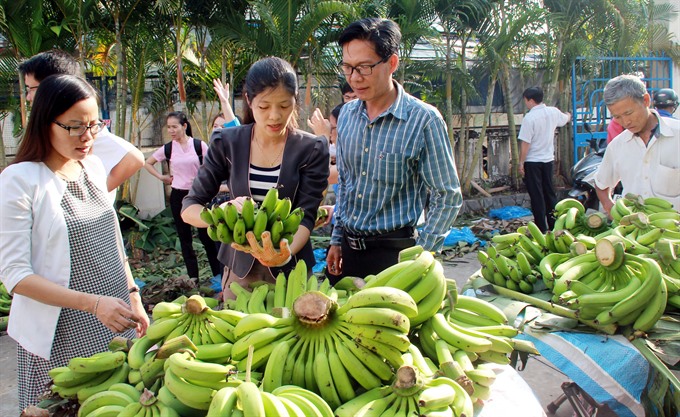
[157, 232]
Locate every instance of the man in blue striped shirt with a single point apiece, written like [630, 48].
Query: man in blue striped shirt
[392, 149]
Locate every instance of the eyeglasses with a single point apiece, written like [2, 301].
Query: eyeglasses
[80, 130]
[362, 70]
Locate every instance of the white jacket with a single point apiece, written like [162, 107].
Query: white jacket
[34, 240]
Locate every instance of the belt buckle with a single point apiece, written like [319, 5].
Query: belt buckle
[356, 243]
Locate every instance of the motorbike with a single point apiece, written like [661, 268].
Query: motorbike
[583, 173]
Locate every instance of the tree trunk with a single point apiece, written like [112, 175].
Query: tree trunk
[178, 59]
[463, 136]
[449, 92]
[514, 154]
[480, 143]
[552, 87]
[120, 96]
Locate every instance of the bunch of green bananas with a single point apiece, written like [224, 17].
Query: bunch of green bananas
[84, 377]
[147, 365]
[110, 402]
[329, 349]
[517, 272]
[227, 224]
[5, 304]
[418, 274]
[248, 400]
[570, 215]
[611, 286]
[194, 318]
[633, 203]
[411, 394]
[646, 230]
[193, 382]
[271, 298]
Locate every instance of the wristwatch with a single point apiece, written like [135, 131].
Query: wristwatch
[134, 288]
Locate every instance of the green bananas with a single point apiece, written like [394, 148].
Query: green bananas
[227, 225]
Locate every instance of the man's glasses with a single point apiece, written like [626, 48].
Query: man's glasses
[362, 70]
[81, 129]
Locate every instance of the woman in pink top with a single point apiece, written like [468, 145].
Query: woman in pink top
[184, 162]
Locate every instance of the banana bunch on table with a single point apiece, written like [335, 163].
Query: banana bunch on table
[633, 203]
[123, 400]
[411, 394]
[610, 286]
[228, 225]
[571, 215]
[248, 400]
[330, 349]
[84, 377]
[639, 229]
[420, 275]
[270, 298]
[201, 324]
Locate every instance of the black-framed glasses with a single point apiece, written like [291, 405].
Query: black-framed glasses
[81, 129]
[362, 70]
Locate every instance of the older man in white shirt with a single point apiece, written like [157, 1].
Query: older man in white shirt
[646, 156]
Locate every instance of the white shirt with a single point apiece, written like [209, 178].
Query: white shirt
[650, 171]
[538, 129]
[34, 240]
[111, 149]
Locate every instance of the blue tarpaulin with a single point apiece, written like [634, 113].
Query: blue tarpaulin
[509, 212]
[320, 257]
[462, 234]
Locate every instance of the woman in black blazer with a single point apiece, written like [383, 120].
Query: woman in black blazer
[266, 151]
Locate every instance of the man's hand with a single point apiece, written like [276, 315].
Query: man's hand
[334, 260]
[266, 254]
[324, 221]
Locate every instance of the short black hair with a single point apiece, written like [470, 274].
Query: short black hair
[384, 34]
[52, 62]
[534, 93]
[336, 110]
[346, 88]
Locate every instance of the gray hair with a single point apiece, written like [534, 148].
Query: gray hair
[624, 86]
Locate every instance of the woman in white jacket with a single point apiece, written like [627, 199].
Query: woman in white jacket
[61, 251]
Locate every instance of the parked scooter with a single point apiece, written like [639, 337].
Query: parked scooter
[583, 173]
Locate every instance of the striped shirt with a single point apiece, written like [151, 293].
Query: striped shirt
[386, 166]
[261, 180]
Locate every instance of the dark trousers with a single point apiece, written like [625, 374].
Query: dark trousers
[381, 252]
[186, 238]
[538, 179]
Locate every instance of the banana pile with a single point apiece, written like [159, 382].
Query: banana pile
[570, 215]
[510, 262]
[5, 304]
[272, 298]
[110, 402]
[228, 225]
[248, 400]
[611, 286]
[633, 203]
[665, 254]
[639, 229]
[411, 394]
[84, 377]
[201, 324]
[418, 274]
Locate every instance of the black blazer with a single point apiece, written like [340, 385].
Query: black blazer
[303, 178]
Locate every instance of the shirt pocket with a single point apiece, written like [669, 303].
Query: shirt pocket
[390, 168]
[666, 181]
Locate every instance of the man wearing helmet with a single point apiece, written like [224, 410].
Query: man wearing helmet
[665, 102]
[646, 156]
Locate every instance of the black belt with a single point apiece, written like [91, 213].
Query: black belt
[397, 239]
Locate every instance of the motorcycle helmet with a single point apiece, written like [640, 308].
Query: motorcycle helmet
[665, 97]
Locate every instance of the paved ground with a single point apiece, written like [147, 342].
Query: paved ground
[540, 375]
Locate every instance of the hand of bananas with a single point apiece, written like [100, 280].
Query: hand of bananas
[228, 225]
[570, 215]
[633, 203]
[122, 400]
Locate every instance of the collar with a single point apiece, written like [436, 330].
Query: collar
[662, 129]
[398, 109]
[538, 106]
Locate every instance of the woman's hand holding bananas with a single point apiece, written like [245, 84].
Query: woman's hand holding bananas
[266, 253]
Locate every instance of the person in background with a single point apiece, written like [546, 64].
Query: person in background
[347, 93]
[666, 102]
[646, 156]
[391, 149]
[537, 152]
[267, 151]
[61, 250]
[184, 163]
[121, 159]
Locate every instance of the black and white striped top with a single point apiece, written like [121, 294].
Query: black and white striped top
[262, 180]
